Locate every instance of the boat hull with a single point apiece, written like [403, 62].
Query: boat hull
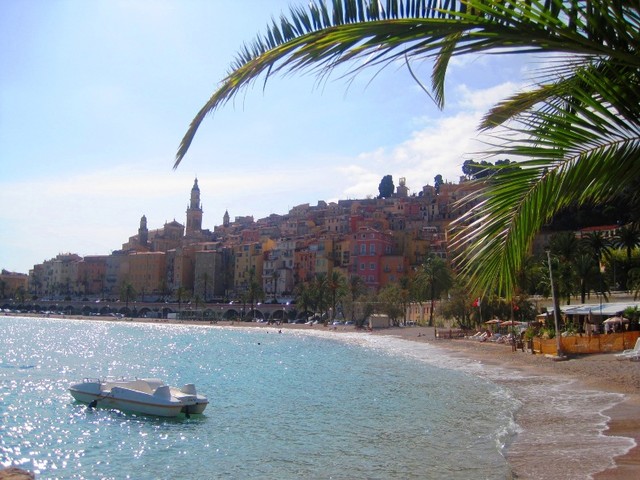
[129, 405]
[148, 397]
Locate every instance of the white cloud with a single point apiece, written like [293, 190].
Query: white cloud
[483, 100]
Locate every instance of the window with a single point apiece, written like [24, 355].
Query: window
[372, 249]
[370, 278]
[363, 249]
[372, 266]
[362, 266]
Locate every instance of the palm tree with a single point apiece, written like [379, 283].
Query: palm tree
[254, 291]
[627, 238]
[205, 279]
[127, 293]
[587, 273]
[181, 294]
[577, 128]
[337, 288]
[319, 287]
[356, 289]
[597, 245]
[303, 298]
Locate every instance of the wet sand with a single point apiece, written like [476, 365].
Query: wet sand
[601, 372]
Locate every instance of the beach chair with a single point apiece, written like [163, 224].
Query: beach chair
[630, 354]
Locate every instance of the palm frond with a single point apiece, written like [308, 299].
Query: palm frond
[364, 34]
[585, 153]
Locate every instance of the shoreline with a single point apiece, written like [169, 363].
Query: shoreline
[599, 372]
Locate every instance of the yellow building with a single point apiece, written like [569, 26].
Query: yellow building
[248, 265]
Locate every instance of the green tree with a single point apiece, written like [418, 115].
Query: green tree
[337, 287]
[356, 288]
[304, 298]
[459, 306]
[319, 287]
[627, 238]
[205, 280]
[587, 273]
[20, 294]
[390, 302]
[254, 291]
[599, 247]
[181, 294]
[564, 247]
[127, 293]
[577, 129]
[386, 187]
[437, 182]
[433, 278]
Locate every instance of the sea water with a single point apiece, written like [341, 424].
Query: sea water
[282, 405]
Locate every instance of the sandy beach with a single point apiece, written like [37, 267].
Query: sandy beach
[602, 372]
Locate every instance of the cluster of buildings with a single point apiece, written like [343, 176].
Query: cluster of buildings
[381, 240]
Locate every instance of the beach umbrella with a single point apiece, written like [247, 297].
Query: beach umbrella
[510, 323]
[616, 320]
[495, 321]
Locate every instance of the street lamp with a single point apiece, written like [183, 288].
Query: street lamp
[555, 309]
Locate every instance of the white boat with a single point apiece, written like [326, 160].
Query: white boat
[149, 396]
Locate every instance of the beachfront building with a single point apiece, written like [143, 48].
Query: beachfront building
[248, 265]
[277, 272]
[58, 277]
[92, 271]
[369, 246]
[210, 272]
[146, 271]
[13, 284]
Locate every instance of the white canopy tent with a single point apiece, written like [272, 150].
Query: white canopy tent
[604, 310]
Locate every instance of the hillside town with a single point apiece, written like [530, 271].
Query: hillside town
[379, 239]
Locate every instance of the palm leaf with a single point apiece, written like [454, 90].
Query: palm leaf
[360, 33]
[589, 158]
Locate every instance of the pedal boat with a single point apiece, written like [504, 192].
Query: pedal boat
[148, 396]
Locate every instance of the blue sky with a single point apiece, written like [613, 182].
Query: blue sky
[95, 97]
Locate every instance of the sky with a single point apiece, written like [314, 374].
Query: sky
[95, 97]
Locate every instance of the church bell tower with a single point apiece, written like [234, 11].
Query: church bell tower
[143, 232]
[194, 212]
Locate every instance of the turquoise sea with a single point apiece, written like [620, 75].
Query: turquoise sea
[282, 405]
